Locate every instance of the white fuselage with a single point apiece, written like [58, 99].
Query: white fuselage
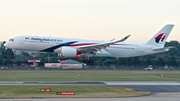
[51, 44]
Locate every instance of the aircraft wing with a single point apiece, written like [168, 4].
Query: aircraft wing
[98, 47]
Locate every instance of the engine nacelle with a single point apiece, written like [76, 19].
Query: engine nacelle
[67, 52]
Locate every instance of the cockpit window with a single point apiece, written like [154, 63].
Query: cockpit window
[11, 39]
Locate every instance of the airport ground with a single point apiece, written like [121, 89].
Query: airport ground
[163, 85]
[88, 75]
[153, 97]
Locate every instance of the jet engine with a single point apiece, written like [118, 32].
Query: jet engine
[67, 52]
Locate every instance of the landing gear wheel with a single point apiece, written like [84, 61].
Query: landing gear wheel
[85, 61]
[88, 61]
[91, 61]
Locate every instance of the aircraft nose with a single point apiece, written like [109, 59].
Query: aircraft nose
[6, 45]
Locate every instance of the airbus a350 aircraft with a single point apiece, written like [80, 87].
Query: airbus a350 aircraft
[69, 48]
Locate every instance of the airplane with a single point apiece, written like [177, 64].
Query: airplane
[71, 48]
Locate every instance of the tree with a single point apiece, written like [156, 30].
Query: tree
[172, 61]
[160, 61]
[2, 48]
[6, 54]
[129, 61]
[148, 61]
[136, 61]
[1, 60]
[109, 62]
[121, 61]
[9, 54]
[24, 53]
[174, 51]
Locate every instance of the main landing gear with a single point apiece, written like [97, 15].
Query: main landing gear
[88, 60]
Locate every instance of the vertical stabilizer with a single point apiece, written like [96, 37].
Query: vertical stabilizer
[159, 38]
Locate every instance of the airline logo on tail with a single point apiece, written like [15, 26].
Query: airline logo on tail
[160, 37]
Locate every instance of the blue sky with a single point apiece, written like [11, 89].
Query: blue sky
[89, 19]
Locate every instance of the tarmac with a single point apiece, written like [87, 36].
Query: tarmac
[141, 86]
[163, 96]
[160, 91]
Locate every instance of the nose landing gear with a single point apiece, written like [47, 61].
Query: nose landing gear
[14, 52]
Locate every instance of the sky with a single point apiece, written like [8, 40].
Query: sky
[89, 19]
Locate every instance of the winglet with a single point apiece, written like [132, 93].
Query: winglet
[123, 38]
[112, 40]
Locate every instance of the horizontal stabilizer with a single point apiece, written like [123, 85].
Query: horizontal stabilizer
[162, 49]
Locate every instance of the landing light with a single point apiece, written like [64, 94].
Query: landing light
[78, 55]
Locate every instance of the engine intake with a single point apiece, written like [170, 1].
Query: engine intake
[67, 52]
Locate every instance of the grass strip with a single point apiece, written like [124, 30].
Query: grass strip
[79, 92]
[88, 76]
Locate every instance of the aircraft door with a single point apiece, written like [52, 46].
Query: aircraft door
[137, 49]
[21, 40]
[52, 43]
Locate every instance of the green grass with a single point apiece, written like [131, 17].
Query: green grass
[80, 91]
[88, 76]
[77, 89]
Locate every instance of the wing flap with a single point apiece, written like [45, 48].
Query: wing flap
[98, 47]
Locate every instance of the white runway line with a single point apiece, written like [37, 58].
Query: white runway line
[19, 82]
[142, 83]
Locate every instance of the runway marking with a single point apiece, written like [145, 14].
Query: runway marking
[21, 100]
[141, 83]
[3, 82]
[176, 87]
[19, 82]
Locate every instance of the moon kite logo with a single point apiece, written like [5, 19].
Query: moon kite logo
[160, 37]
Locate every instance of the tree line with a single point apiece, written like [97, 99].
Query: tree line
[6, 55]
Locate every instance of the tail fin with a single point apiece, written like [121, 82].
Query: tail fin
[159, 38]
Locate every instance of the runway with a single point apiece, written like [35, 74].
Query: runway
[141, 86]
[114, 83]
[160, 91]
